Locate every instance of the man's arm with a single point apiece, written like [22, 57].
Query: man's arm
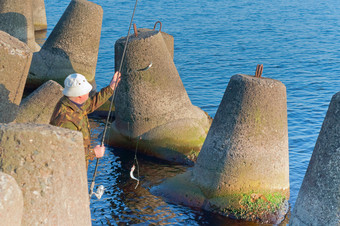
[103, 95]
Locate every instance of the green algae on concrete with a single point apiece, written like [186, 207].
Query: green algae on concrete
[254, 206]
[242, 169]
[262, 207]
[175, 142]
[153, 105]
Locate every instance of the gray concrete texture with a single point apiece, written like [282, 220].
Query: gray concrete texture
[16, 18]
[15, 60]
[38, 107]
[318, 201]
[48, 164]
[39, 15]
[11, 201]
[168, 39]
[245, 154]
[71, 47]
[153, 104]
[246, 148]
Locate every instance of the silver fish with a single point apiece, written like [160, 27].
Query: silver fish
[100, 192]
[146, 68]
[133, 177]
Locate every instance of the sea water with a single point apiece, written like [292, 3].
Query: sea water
[296, 41]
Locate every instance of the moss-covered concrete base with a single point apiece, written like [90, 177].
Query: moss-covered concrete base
[179, 141]
[258, 206]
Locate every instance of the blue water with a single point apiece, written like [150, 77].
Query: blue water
[296, 41]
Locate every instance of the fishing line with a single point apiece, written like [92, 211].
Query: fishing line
[112, 100]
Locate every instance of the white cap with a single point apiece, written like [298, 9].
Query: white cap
[76, 85]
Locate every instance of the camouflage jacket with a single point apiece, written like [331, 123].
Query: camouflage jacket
[68, 115]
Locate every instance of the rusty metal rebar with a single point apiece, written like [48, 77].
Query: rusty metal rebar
[135, 30]
[160, 25]
[259, 70]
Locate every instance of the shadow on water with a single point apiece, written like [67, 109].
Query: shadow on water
[124, 204]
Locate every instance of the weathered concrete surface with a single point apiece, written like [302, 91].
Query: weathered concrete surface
[39, 15]
[153, 104]
[11, 201]
[15, 60]
[318, 202]
[168, 39]
[8, 110]
[16, 18]
[71, 47]
[242, 170]
[48, 164]
[38, 107]
[247, 145]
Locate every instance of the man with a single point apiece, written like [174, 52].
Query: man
[72, 109]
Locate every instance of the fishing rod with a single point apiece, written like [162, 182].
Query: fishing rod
[112, 100]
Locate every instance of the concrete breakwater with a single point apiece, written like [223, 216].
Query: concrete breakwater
[48, 164]
[152, 107]
[242, 170]
[38, 107]
[11, 201]
[71, 47]
[318, 202]
[16, 18]
[15, 62]
[260, 197]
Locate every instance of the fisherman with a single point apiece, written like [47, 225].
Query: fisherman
[72, 109]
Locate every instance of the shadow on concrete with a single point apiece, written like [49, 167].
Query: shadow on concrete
[8, 110]
[14, 24]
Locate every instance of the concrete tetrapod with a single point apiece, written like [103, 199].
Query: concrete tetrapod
[16, 18]
[71, 47]
[242, 170]
[318, 201]
[152, 106]
[48, 164]
[14, 64]
[39, 15]
[11, 201]
[38, 107]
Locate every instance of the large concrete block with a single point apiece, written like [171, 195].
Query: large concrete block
[242, 170]
[48, 164]
[15, 60]
[152, 106]
[247, 144]
[11, 201]
[39, 15]
[71, 47]
[318, 201]
[16, 18]
[38, 107]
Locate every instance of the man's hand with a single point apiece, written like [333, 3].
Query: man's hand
[99, 151]
[115, 79]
